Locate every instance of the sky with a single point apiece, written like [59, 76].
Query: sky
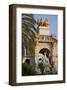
[53, 21]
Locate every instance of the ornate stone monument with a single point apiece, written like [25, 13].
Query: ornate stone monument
[44, 40]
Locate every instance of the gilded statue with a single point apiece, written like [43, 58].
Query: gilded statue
[40, 22]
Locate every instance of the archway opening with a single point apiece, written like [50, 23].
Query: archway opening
[45, 50]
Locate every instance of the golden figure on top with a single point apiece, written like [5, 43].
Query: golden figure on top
[40, 22]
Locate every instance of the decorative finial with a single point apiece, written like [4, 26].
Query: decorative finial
[45, 23]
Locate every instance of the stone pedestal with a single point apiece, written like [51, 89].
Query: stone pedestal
[44, 30]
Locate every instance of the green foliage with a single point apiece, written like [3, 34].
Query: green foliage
[28, 32]
[27, 69]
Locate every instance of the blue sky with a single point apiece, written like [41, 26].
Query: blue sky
[53, 21]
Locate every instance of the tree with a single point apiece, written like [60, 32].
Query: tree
[28, 34]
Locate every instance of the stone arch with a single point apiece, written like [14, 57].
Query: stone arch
[44, 50]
